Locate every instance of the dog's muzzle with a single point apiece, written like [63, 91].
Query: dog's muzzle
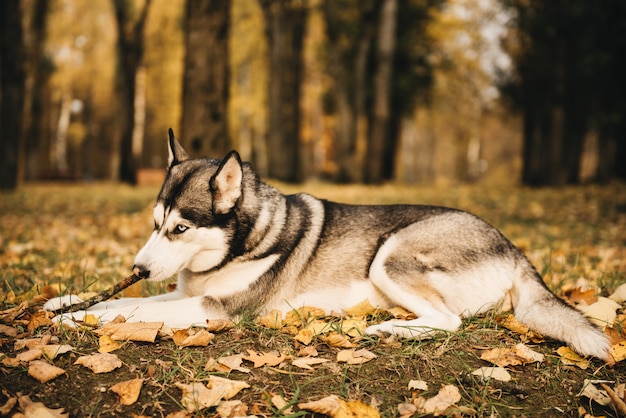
[141, 271]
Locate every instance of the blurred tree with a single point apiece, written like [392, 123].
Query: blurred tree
[130, 47]
[204, 129]
[570, 70]
[285, 24]
[12, 86]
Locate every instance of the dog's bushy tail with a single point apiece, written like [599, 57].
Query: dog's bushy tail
[540, 309]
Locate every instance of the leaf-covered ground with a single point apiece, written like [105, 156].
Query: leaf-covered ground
[83, 238]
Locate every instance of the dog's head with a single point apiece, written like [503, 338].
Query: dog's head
[193, 215]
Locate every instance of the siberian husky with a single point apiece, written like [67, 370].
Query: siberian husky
[239, 246]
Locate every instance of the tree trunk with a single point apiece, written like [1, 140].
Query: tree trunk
[130, 42]
[12, 86]
[285, 27]
[204, 128]
[381, 148]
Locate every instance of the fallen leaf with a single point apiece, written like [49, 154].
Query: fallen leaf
[304, 314]
[619, 295]
[580, 295]
[406, 410]
[511, 323]
[90, 320]
[602, 313]
[571, 358]
[335, 339]
[336, 407]
[51, 351]
[618, 351]
[100, 363]
[31, 342]
[30, 355]
[361, 310]
[282, 405]
[218, 325]
[273, 320]
[307, 362]
[40, 319]
[272, 358]
[8, 315]
[9, 331]
[511, 356]
[353, 327]
[401, 313]
[617, 397]
[44, 371]
[447, 396]
[230, 387]
[192, 338]
[231, 409]
[8, 406]
[418, 385]
[304, 336]
[128, 391]
[355, 356]
[226, 364]
[37, 409]
[308, 351]
[107, 344]
[197, 397]
[497, 373]
[133, 331]
[590, 391]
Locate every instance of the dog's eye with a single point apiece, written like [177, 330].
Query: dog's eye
[179, 229]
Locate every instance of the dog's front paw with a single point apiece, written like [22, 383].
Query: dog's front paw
[57, 303]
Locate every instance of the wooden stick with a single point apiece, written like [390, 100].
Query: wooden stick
[102, 296]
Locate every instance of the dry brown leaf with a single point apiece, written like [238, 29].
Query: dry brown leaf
[8, 315]
[231, 409]
[40, 319]
[511, 323]
[618, 352]
[406, 410]
[602, 313]
[192, 338]
[308, 351]
[9, 331]
[279, 403]
[336, 407]
[401, 313]
[447, 396]
[571, 358]
[581, 296]
[335, 339]
[131, 331]
[304, 314]
[230, 387]
[361, 310]
[219, 325]
[128, 391]
[353, 327]
[31, 342]
[617, 397]
[11, 362]
[511, 356]
[304, 336]
[51, 351]
[273, 320]
[497, 373]
[197, 397]
[37, 409]
[226, 364]
[619, 295]
[590, 391]
[307, 362]
[418, 385]
[261, 359]
[90, 320]
[44, 371]
[100, 363]
[30, 355]
[179, 414]
[107, 344]
[8, 406]
[355, 356]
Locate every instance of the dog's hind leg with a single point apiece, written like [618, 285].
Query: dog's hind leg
[404, 283]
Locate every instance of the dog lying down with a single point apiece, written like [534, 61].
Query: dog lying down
[239, 246]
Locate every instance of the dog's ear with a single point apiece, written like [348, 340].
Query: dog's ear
[226, 184]
[176, 152]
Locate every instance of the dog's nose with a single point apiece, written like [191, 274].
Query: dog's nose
[141, 271]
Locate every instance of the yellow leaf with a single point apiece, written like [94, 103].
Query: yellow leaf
[618, 351]
[218, 325]
[304, 336]
[304, 314]
[197, 397]
[50, 351]
[134, 331]
[230, 388]
[107, 344]
[192, 338]
[401, 313]
[335, 339]
[335, 407]
[128, 391]
[353, 327]
[571, 358]
[507, 356]
[497, 373]
[361, 310]
[37, 409]
[40, 319]
[273, 320]
[90, 320]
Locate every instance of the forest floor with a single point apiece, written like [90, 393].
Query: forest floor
[83, 238]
